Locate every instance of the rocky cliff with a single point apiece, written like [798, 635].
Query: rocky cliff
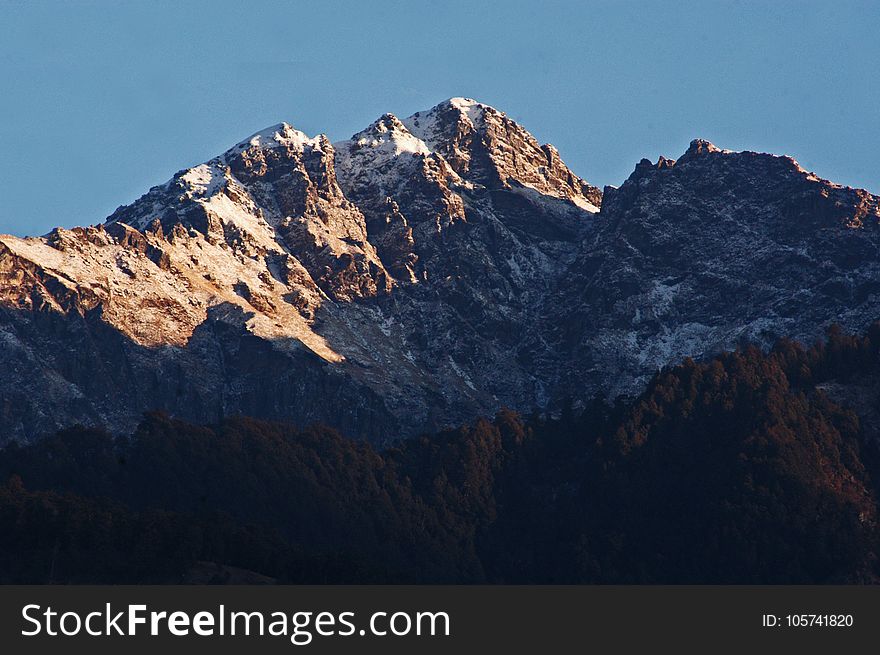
[425, 271]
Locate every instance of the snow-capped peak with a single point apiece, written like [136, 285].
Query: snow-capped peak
[470, 108]
[440, 123]
[276, 136]
[389, 134]
[204, 179]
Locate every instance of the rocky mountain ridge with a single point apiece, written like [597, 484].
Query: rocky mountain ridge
[423, 272]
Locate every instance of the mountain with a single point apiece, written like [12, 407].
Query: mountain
[710, 251]
[423, 272]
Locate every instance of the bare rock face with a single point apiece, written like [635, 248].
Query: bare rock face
[718, 248]
[423, 272]
[275, 193]
[483, 145]
[385, 168]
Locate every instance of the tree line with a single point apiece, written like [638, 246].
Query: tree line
[745, 468]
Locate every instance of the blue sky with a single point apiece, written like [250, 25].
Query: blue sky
[102, 100]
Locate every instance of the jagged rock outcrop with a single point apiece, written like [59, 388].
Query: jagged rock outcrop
[423, 272]
[717, 248]
[485, 146]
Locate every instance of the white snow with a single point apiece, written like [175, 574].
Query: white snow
[551, 201]
[462, 374]
[391, 142]
[204, 179]
[424, 124]
[470, 108]
[584, 204]
[276, 136]
[383, 156]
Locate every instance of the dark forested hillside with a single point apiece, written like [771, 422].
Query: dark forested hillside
[750, 468]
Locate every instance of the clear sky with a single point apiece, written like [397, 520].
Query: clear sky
[101, 100]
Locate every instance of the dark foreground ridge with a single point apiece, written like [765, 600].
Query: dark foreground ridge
[749, 468]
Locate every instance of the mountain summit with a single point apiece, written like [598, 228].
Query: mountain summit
[425, 271]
